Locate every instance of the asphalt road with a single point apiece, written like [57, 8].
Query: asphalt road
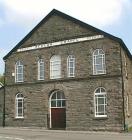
[41, 134]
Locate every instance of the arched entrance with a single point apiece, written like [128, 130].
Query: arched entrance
[57, 104]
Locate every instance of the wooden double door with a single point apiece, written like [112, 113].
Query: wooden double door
[58, 118]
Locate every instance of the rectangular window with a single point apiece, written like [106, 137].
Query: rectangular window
[19, 72]
[40, 69]
[127, 105]
[71, 66]
[100, 106]
[55, 67]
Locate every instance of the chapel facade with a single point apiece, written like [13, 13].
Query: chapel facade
[66, 74]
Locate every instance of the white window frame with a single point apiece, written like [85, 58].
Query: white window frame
[71, 70]
[18, 66]
[56, 100]
[96, 104]
[19, 98]
[55, 67]
[41, 69]
[99, 54]
[127, 105]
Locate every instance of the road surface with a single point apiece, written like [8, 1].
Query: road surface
[42, 134]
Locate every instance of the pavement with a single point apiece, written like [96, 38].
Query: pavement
[9, 133]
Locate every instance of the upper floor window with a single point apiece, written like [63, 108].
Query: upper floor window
[99, 62]
[55, 67]
[100, 102]
[71, 66]
[19, 105]
[19, 71]
[41, 69]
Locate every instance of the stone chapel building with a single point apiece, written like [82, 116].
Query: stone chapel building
[66, 74]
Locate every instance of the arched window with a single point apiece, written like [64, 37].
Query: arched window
[55, 67]
[19, 71]
[100, 101]
[71, 65]
[99, 62]
[57, 104]
[57, 100]
[41, 69]
[19, 105]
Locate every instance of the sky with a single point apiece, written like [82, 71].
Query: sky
[19, 17]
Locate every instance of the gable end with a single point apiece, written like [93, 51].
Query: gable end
[74, 20]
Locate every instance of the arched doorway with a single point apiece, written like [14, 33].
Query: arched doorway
[57, 104]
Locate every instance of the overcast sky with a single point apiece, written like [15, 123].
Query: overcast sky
[18, 17]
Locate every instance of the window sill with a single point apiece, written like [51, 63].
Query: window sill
[41, 79]
[98, 74]
[19, 82]
[17, 118]
[100, 118]
[70, 76]
[55, 78]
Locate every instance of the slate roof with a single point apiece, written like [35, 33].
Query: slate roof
[54, 11]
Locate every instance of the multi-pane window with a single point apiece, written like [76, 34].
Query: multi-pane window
[57, 100]
[99, 62]
[100, 100]
[127, 105]
[19, 71]
[55, 67]
[41, 69]
[19, 105]
[71, 66]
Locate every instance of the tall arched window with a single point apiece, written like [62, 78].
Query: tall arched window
[55, 67]
[71, 65]
[99, 62]
[19, 105]
[41, 69]
[100, 101]
[19, 71]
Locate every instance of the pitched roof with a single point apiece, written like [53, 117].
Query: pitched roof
[54, 11]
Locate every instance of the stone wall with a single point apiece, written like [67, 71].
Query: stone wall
[57, 28]
[79, 91]
[79, 104]
[83, 54]
[127, 78]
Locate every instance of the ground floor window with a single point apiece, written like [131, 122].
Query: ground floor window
[19, 105]
[100, 102]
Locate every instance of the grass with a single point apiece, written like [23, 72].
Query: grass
[130, 129]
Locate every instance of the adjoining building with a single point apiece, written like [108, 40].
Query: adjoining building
[66, 74]
[1, 103]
